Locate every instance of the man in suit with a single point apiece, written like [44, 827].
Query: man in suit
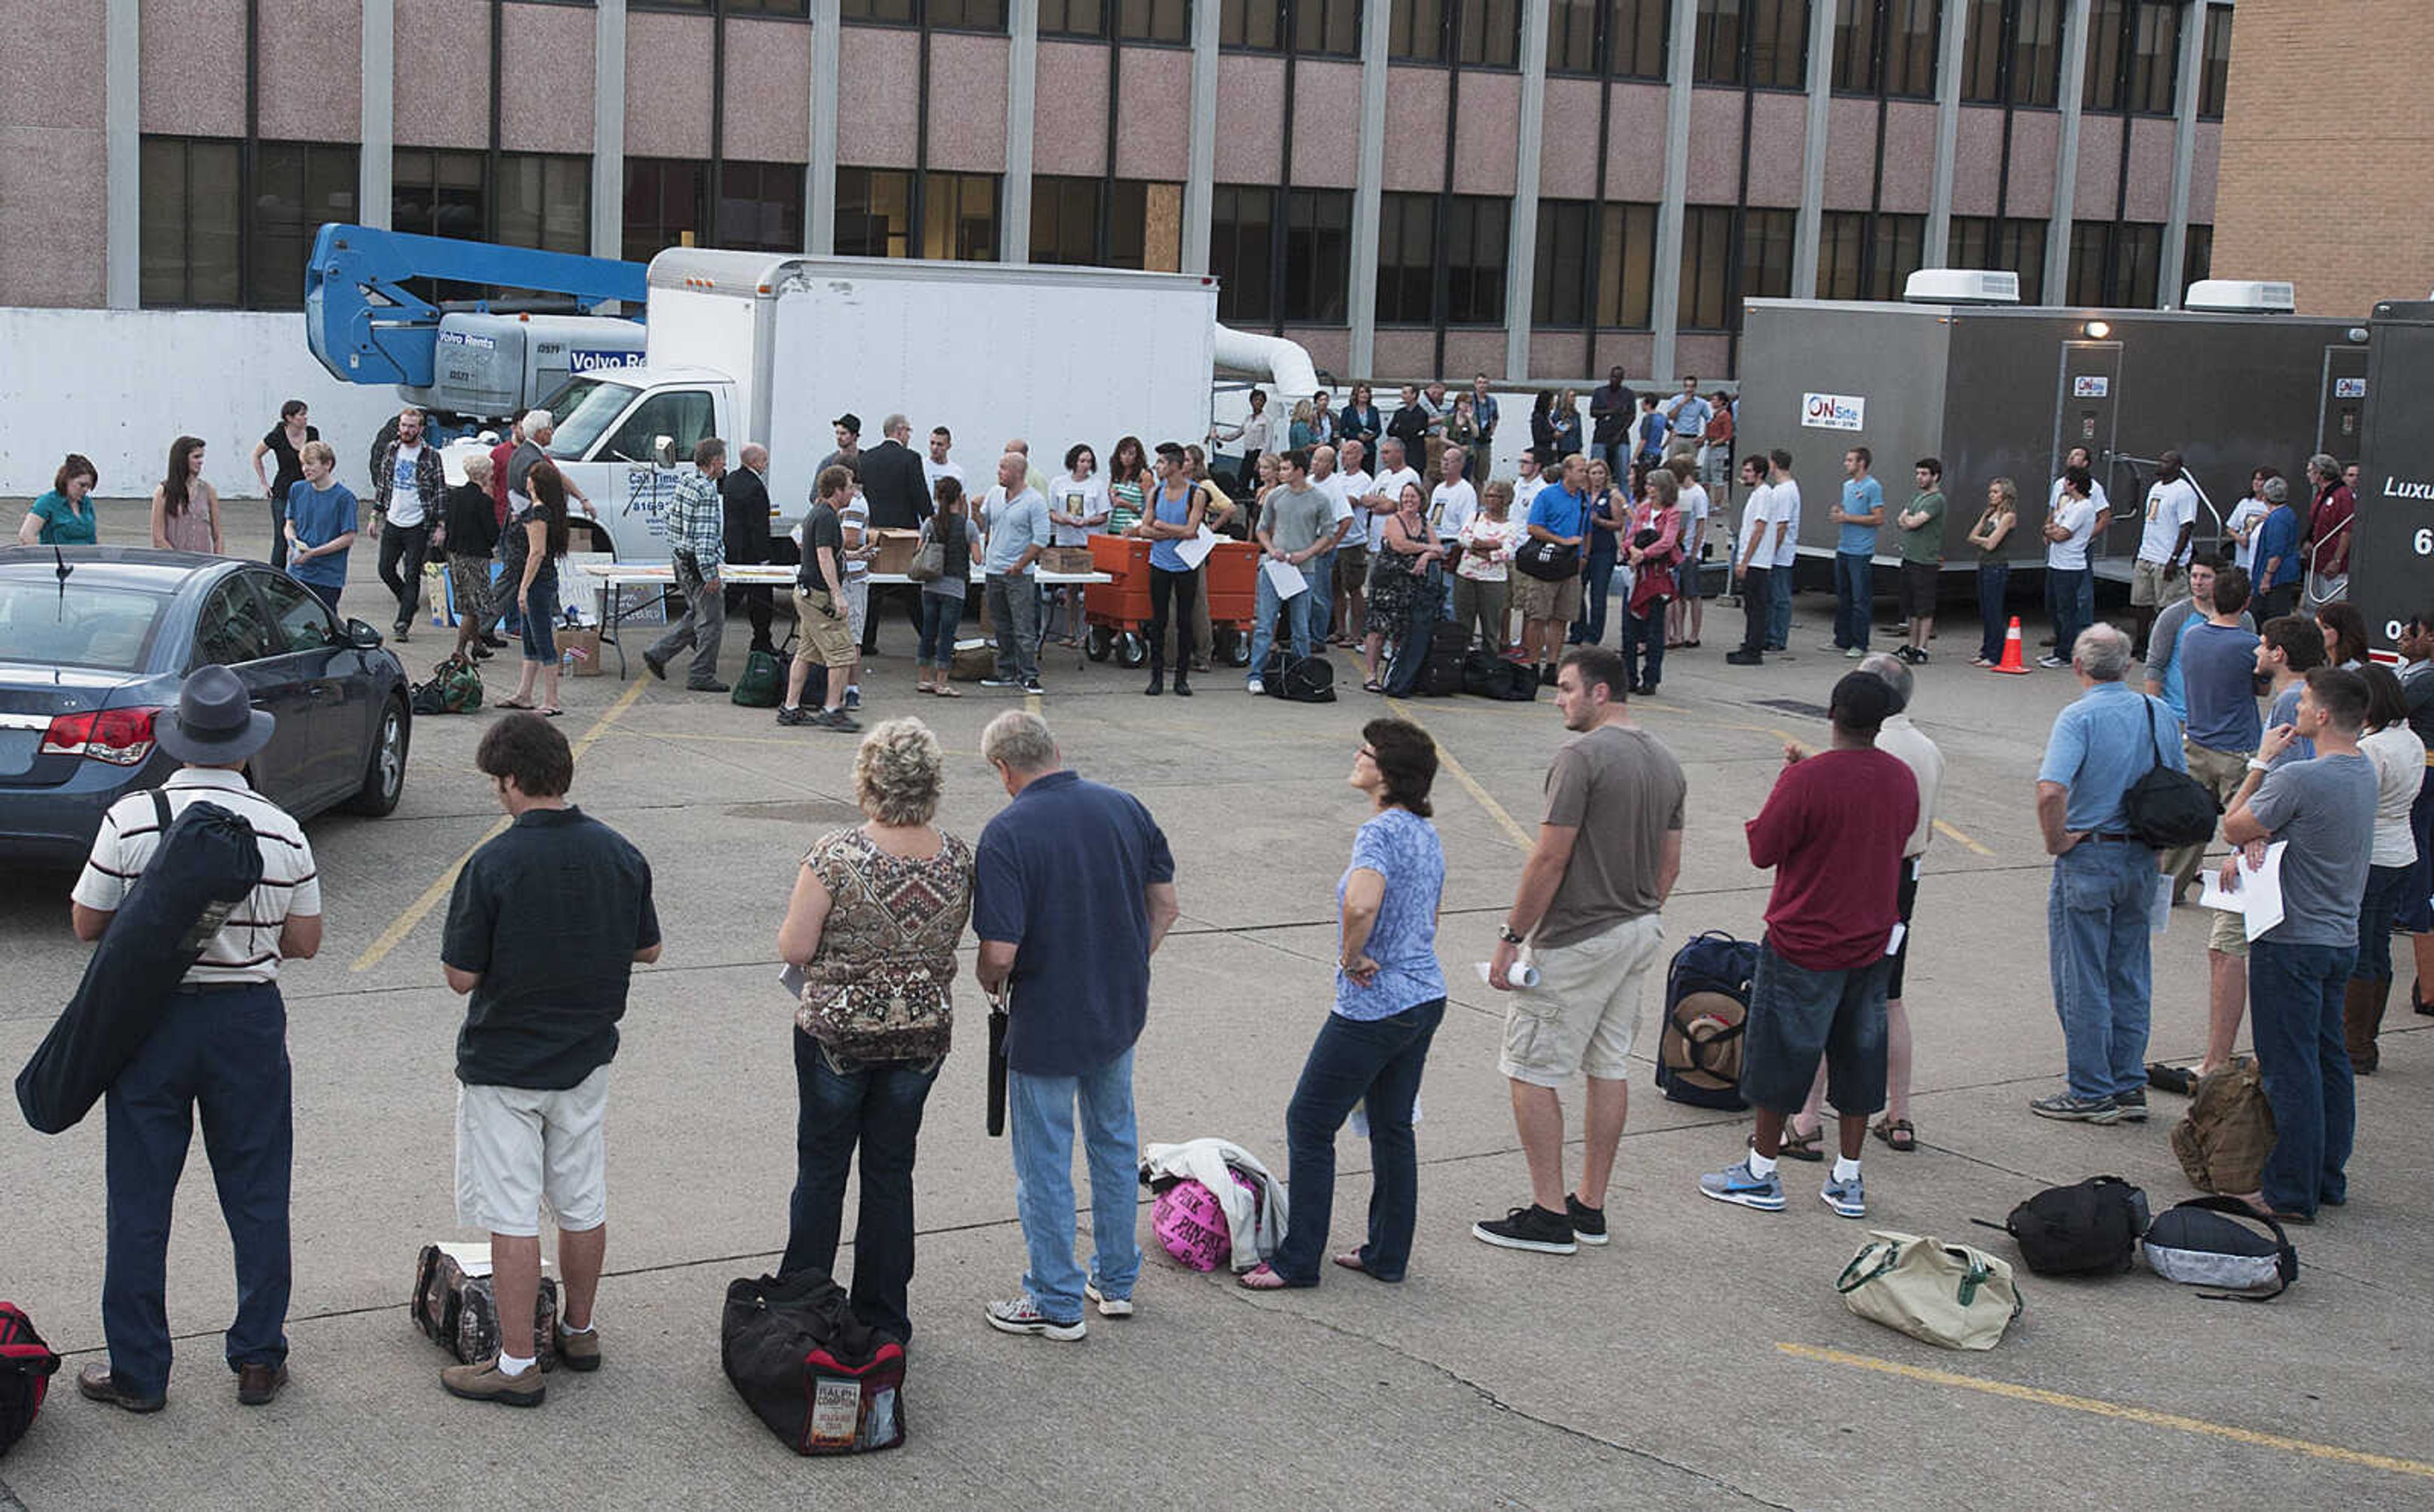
[746, 490]
[897, 493]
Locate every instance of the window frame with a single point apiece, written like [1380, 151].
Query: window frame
[1740, 21]
[1607, 23]
[2214, 71]
[257, 248]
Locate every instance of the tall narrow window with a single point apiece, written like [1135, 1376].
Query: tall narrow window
[1707, 268]
[2102, 86]
[2018, 246]
[1635, 37]
[1895, 254]
[2196, 259]
[1716, 43]
[2215, 83]
[1627, 267]
[297, 187]
[1778, 31]
[190, 228]
[1766, 253]
[1318, 256]
[544, 200]
[1415, 31]
[1559, 286]
[1491, 32]
[1981, 52]
[1841, 248]
[1241, 221]
[1910, 48]
[874, 212]
[666, 199]
[1571, 36]
[1855, 46]
[2036, 53]
[760, 206]
[2154, 57]
[1406, 259]
[959, 217]
[1476, 240]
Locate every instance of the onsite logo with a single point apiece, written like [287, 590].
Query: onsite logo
[1833, 412]
[582, 361]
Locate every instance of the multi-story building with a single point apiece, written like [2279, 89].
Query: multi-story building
[1528, 188]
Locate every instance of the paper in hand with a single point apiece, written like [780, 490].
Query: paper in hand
[1285, 578]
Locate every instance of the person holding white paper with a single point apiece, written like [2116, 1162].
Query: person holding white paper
[1174, 516]
[2299, 970]
[1297, 523]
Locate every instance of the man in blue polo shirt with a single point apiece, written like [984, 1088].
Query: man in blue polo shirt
[1862, 510]
[2104, 880]
[1080, 987]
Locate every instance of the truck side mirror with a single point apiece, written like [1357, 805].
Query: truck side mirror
[663, 450]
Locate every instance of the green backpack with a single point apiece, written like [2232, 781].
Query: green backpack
[761, 684]
[454, 687]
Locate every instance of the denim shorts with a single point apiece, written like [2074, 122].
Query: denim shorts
[1796, 1015]
[540, 613]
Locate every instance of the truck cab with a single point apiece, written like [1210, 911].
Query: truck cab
[608, 425]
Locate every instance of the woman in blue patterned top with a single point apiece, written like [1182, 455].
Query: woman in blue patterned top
[1390, 996]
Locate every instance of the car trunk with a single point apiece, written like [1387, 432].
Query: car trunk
[31, 697]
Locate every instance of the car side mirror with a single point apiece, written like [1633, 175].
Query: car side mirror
[663, 450]
[363, 636]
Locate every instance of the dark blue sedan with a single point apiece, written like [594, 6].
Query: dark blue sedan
[94, 643]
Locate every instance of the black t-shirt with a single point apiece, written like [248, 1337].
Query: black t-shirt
[472, 522]
[550, 914]
[291, 467]
[821, 527]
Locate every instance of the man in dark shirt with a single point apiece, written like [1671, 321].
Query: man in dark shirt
[1834, 830]
[897, 493]
[820, 613]
[746, 492]
[1079, 981]
[544, 927]
[1612, 408]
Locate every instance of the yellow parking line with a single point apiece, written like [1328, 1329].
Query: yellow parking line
[403, 924]
[2114, 1409]
[1521, 839]
[1948, 832]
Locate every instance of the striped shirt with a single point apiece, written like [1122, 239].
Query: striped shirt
[247, 947]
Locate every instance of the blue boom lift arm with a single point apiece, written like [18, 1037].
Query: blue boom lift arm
[366, 327]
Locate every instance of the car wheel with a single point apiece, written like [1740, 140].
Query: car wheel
[384, 770]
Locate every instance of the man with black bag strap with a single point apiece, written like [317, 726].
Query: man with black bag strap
[2105, 879]
[221, 1045]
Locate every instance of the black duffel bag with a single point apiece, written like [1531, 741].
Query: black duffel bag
[825, 1381]
[2167, 809]
[205, 864]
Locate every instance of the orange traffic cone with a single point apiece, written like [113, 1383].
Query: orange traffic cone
[2011, 662]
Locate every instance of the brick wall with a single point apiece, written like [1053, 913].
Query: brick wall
[2327, 175]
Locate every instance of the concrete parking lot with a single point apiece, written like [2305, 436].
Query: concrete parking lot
[1701, 1360]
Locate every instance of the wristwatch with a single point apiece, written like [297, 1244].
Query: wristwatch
[1504, 932]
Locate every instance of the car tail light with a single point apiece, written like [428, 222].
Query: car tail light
[121, 736]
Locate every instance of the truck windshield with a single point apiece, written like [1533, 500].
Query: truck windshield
[586, 407]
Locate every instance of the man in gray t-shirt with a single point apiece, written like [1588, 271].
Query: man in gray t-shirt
[1297, 523]
[2322, 811]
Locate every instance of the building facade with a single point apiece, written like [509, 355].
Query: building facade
[1533, 189]
[2327, 168]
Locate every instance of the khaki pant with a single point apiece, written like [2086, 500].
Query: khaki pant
[2221, 772]
[1476, 601]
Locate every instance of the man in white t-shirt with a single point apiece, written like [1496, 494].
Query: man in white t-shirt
[1530, 478]
[1321, 572]
[1754, 564]
[858, 550]
[1786, 498]
[2160, 575]
[936, 464]
[1450, 505]
[1394, 471]
[2245, 516]
[1352, 555]
[406, 488]
[2070, 586]
[2080, 457]
[1688, 614]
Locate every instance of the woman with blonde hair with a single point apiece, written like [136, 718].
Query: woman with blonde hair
[1305, 425]
[877, 912]
[1995, 522]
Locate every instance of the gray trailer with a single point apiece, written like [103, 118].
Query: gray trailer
[1996, 391]
[2389, 576]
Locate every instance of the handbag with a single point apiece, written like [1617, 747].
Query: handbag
[1548, 561]
[2167, 809]
[1950, 1294]
[996, 1067]
[930, 561]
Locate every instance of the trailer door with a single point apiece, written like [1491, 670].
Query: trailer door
[2341, 409]
[2084, 401]
[2391, 561]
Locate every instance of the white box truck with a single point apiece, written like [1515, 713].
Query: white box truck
[766, 348]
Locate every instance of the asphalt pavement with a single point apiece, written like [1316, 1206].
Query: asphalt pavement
[1701, 1360]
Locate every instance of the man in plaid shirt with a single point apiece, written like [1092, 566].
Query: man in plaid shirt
[697, 546]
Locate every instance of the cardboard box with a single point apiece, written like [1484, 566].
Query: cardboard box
[1067, 559]
[578, 652]
[897, 548]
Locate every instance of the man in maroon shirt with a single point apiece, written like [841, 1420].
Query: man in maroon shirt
[1833, 829]
[2328, 521]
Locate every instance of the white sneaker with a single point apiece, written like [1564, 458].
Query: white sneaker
[1022, 1316]
[1109, 1306]
[1255, 688]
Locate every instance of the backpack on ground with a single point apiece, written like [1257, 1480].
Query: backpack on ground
[1440, 673]
[1707, 1009]
[27, 1366]
[454, 1306]
[1485, 674]
[824, 1381]
[1297, 679]
[2090, 1227]
[204, 867]
[1946, 1294]
[2204, 1242]
[2223, 1139]
[761, 685]
[454, 687]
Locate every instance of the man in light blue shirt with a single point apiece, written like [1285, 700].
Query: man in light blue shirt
[1685, 419]
[2104, 880]
[1862, 510]
[1017, 531]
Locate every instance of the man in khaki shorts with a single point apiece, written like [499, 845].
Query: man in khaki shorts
[545, 968]
[822, 617]
[1609, 850]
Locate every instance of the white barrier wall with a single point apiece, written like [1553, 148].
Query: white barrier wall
[119, 385]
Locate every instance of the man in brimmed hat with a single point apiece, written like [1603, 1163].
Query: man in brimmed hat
[221, 1045]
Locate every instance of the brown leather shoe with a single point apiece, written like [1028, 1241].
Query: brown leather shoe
[579, 1352]
[257, 1383]
[482, 1380]
[95, 1382]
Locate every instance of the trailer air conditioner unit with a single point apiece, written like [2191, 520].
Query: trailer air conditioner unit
[2241, 296]
[1962, 286]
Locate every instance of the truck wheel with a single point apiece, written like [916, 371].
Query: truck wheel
[1101, 641]
[1132, 651]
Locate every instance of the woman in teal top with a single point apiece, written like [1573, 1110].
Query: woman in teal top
[1175, 509]
[63, 516]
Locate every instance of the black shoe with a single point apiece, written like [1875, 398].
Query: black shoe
[658, 668]
[1589, 1223]
[714, 685]
[494, 642]
[481, 651]
[1547, 675]
[1031, 685]
[793, 716]
[95, 1383]
[1182, 686]
[1744, 658]
[1156, 684]
[1531, 1228]
[256, 1385]
[403, 632]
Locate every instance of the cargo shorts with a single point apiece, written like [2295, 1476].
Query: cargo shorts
[1584, 1013]
[827, 637]
[516, 1145]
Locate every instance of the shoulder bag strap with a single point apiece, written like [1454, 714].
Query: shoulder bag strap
[161, 811]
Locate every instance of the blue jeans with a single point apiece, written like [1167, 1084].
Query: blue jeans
[1264, 620]
[1778, 619]
[540, 644]
[1378, 1061]
[2384, 887]
[1321, 572]
[1644, 636]
[1040, 1113]
[224, 1052]
[876, 1105]
[1799, 1016]
[2097, 948]
[1993, 584]
[2294, 1014]
[1597, 569]
[1852, 591]
[2416, 914]
[2070, 598]
[328, 593]
[940, 615]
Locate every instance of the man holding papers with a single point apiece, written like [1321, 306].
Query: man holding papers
[1297, 524]
[2322, 810]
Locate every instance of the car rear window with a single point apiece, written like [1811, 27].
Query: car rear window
[108, 629]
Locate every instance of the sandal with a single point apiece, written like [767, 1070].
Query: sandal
[2175, 1079]
[944, 692]
[1260, 1277]
[1799, 1147]
[1373, 686]
[1896, 1133]
[509, 702]
[547, 711]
